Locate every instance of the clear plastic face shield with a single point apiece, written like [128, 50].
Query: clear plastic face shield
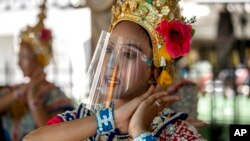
[117, 68]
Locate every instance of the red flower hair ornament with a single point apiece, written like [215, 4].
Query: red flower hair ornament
[177, 36]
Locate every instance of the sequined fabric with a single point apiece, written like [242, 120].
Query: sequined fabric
[167, 126]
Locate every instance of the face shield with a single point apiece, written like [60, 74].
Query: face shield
[117, 68]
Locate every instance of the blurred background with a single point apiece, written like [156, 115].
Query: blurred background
[219, 61]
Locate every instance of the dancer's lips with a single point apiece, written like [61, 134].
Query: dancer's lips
[112, 81]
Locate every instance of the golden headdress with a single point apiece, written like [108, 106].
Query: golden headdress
[170, 33]
[39, 38]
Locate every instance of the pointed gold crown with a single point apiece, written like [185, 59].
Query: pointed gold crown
[39, 38]
[165, 26]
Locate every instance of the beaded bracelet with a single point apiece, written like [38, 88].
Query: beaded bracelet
[105, 121]
[147, 136]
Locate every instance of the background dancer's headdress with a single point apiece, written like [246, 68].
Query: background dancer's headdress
[39, 38]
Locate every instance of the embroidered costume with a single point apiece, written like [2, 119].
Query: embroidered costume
[166, 128]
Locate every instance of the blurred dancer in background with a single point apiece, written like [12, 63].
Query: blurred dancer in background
[25, 107]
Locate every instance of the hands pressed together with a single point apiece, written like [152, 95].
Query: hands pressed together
[136, 116]
[25, 91]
